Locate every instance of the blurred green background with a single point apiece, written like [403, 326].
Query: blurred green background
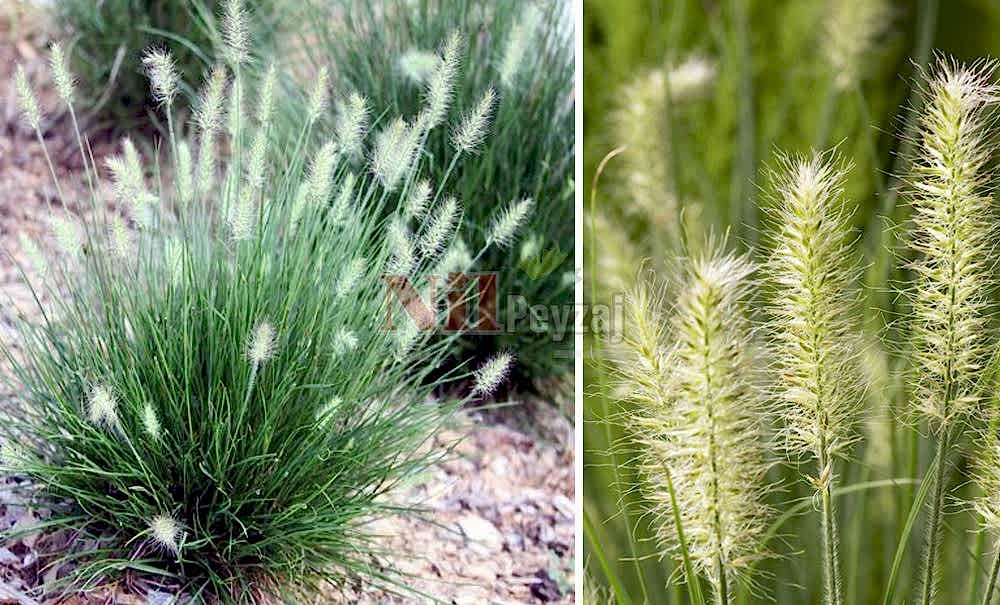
[774, 90]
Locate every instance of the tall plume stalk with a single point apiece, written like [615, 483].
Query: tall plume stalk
[952, 239]
[696, 417]
[819, 388]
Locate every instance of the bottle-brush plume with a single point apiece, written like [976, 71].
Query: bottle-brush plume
[234, 32]
[352, 124]
[184, 177]
[417, 65]
[68, 236]
[26, 97]
[151, 422]
[471, 133]
[517, 45]
[165, 532]
[208, 117]
[441, 85]
[852, 26]
[265, 98]
[102, 406]
[417, 201]
[691, 78]
[162, 73]
[320, 94]
[505, 225]
[395, 148]
[400, 242]
[819, 385]
[813, 277]
[261, 346]
[952, 238]
[34, 254]
[443, 220]
[696, 416]
[120, 239]
[60, 74]
[642, 124]
[489, 376]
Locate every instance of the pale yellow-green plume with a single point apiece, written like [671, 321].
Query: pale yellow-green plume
[696, 416]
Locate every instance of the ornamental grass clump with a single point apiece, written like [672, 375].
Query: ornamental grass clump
[696, 416]
[211, 400]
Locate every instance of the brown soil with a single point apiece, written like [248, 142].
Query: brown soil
[502, 508]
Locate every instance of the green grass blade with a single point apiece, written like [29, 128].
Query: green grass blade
[904, 537]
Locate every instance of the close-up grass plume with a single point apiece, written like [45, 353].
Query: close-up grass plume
[847, 149]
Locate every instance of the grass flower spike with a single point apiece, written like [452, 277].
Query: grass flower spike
[395, 148]
[261, 346]
[491, 374]
[517, 46]
[504, 227]
[162, 75]
[418, 65]
[441, 85]
[29, 103]
[165, 532]
[102, 407]
[472, 131]
[851, 29]
[61, 75]
[819, 389]
[352, 124]
[953, 240]
[696, 416]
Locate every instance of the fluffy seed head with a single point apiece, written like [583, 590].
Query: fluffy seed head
[265, 101]
[162, 75]
[352, 124]
[441, 228]
[234, 31]
[418, 65]
[60, 73]
[321, 173]
[416, 203]
[819, 382]
[344, 198]
[67, 235]
[986, 473]
[441, 85]
[953, 238]
[102, 407]
[457, 258]
[184, 180]
[257, 160]
[518, 43]
[491, 374]
[151, 422]
[209, 115]
[641, 123]
[129, 184]
[852, 26]
[344, 342]
[472, 131]
[120, 240]
[262, 343]
[395, 150]
[505, 225]
[29, 103]
[34, 254]
[696, 415]
[243, 216]
[400, 244]
[165, 532]
[350, 276]
[691, 78]
[320, 94]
